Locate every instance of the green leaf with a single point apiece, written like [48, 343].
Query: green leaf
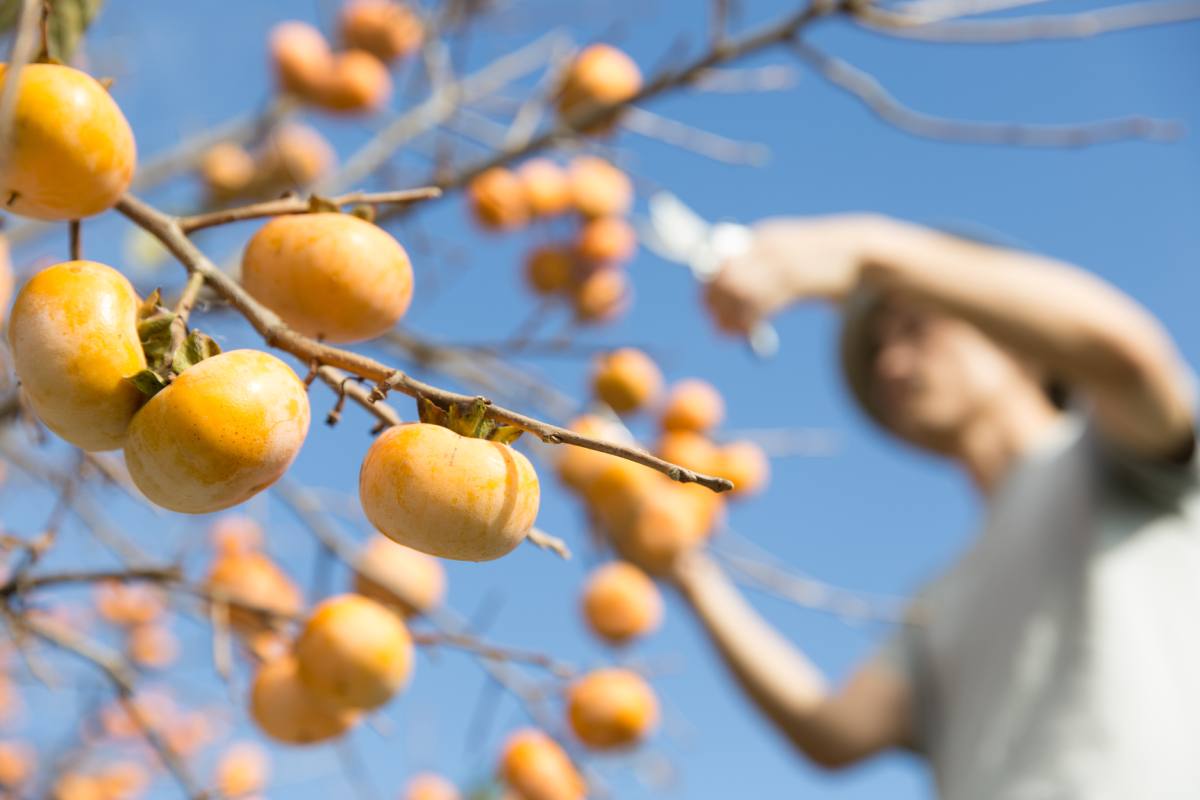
[10, 12]
[155, 333]
[69, 19]
[364, 212]
[148, 382]
[506, 434]
[194, 349]
[316, 204]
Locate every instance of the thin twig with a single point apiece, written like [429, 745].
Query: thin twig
[299, 205]
[546, 541]
[75, 229]
[688, 137]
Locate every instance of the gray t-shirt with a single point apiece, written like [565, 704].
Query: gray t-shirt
[1059, 659]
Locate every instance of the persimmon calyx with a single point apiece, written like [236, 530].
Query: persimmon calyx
[467, 419]
[164, 359]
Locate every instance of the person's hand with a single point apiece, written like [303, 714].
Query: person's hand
[789, 260]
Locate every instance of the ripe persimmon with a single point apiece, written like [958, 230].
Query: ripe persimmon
[354, 652]
[497, 199]
[293, 155]
[74, 340]
[253, 579]
[17, 762]
[227, 169]
[661, 522]
[688, 449]
[600, 296]
[224, 430]
[626, 380]
[399, 577]
[243, 769]
[693, 405]
[288, 711]
[445, 494]
[72, 152]
[547, 190]
[620, 602]
[548, 269]
[744, 463]
[152, 645]
[537, 768]
[611, 708]
[358, 82]
[301, 58]
[235, 534]
[385, 29]
[598, 189]
[129, 604]
[329, 275]
[599, 75]
[606, 240]
[578, 467]
[430, 786]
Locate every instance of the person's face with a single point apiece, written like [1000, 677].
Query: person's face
[931, 374]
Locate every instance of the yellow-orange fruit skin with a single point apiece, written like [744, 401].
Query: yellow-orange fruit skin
[626, 380]
[428, 786]
[601, 296]
[693, 405]
[599, 75]
[255, 580]
[385, 29]
[289, 712]
[17, 763]
[223, 431]
[657, 524]
[294, 155]
[606, 240]
[746, 465]
[548, 269]
[447, 495]
[598, 189]
[537, 768]
[620, 603]
[227, 169]
[73, 334]
[611, 708]
[329, 275]
[358, 83]
[547, 189]
[578, 467]
[497, 199]
[72, 152]
[354, 652]
[688, 449]
[243, 770]
[301, 58]
[400, 577]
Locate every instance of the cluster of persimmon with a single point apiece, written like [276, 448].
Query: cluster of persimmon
[354, 80]
[138, 610]
[586, 267]
[292, 156]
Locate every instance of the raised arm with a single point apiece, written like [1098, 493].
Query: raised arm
[1076, 326]
[833, 728]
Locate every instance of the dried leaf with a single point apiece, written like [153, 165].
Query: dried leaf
[155, 333]
[195, 348]
[69, 19]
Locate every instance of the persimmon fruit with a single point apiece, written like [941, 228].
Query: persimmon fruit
[611, 708]
[626, 380]
[621, 602]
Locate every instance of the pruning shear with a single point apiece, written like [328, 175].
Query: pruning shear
[678, 234]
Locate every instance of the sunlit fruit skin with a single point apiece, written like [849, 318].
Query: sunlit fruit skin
[329, 275]
[537, 768]
[17, 762]
[385, 29]
[220, 433]
[354, 652]
[497, 199]
[358, 83]
[626, 380]
[72, 153]
[578, 467]
[611, 708]
[693, 405]
[688, 449]
[547, 190]
[301, 58]
[548, 269]
[606, 240]
[746, 465]
[294, 155]
[661, 522]
[227, 169]
[620, 603]
[447, 495]
[401, 578]
[288, 711]
[599, 75]
[242, 770]
[73, 334]
[601, 296]
[429, 786]
[598, 189]
[253, 579]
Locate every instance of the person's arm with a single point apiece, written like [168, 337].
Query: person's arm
[1076, 326]
[833, 728]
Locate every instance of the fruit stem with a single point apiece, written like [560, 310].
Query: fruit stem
[183, 309]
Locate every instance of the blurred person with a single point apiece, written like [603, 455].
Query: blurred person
[1059, 658]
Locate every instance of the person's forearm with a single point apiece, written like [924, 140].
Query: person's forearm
[784, 684]
[1073, 324]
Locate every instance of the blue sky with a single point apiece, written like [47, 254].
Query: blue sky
[873, 516]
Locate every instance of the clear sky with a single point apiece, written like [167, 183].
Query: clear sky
[872, 516]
